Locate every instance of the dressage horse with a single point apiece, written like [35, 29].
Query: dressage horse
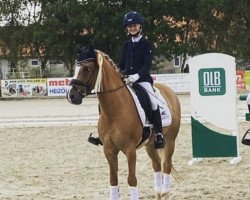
[119, 125]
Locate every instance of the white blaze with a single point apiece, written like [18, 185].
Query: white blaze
[77, 69]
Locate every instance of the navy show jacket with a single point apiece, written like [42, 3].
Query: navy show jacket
[136, 58]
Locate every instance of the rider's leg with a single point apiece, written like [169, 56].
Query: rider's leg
[160, 142]
[159, 139]
[95, 140]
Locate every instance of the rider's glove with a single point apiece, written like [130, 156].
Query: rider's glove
[133, 78]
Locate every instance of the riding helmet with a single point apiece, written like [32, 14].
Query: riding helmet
[132, 18]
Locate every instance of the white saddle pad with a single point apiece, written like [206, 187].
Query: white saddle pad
[164, 109]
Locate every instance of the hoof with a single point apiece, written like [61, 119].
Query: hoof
[158, 196]
[165, 195]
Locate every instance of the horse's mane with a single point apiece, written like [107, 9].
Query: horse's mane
[106, 56]
[100, 56]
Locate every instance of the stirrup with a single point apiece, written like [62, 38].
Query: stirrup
[244, 140]
[94, 140]
[159, 142]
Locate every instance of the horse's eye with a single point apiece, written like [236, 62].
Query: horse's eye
[86, 68]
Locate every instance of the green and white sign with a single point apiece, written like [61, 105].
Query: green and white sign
[212, 81]
[213, 101]
[213, 89]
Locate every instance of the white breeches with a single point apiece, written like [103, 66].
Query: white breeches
[148, 87]
[248, 98]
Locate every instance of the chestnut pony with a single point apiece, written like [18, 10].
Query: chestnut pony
[119, 125]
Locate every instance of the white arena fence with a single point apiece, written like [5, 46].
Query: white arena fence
[56, 87]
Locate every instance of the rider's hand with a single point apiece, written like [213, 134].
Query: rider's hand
[133, 78]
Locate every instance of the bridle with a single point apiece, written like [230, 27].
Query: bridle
[85, 89]
[82, 88]
[78, 84]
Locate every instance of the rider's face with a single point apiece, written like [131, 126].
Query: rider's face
[133, 28]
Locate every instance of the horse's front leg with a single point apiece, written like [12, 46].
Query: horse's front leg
[111, 156]
[132, 181]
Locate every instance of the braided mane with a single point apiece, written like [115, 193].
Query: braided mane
[110, 60]
[100, 56]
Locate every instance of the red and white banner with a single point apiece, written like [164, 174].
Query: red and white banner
[240, 80]
[58, 86]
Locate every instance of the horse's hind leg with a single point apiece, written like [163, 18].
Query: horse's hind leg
[162, 175]
[167, 166]
[112, 158]
[156, 163]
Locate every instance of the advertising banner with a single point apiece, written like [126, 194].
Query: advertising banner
[23, 88]
[240, 80]
[177, 82]
[58, 86]
[247, 79]
[8, 88]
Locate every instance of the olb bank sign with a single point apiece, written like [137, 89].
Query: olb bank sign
[212, 81]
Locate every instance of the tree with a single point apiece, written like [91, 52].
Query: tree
[182, 19]
[61, 28]
[223, 26]
[10, 37]
[52, 29]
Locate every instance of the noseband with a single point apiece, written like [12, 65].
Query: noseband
[80, 86]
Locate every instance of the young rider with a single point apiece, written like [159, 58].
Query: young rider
[136, 61]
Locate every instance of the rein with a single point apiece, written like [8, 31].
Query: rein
[75, 82]
[109, 91]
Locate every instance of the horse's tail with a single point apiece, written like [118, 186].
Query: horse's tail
[176, 175]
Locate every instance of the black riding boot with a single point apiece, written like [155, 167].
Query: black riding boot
[159, 139]
[95, 140]
[249, 108]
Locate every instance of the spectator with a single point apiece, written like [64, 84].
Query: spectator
[186, 69]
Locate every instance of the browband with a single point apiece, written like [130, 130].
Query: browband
[85, 61]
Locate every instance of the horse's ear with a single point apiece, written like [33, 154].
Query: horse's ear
[91, 48]
[79, 49]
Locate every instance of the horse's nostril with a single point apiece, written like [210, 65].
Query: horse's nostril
[71, 96]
